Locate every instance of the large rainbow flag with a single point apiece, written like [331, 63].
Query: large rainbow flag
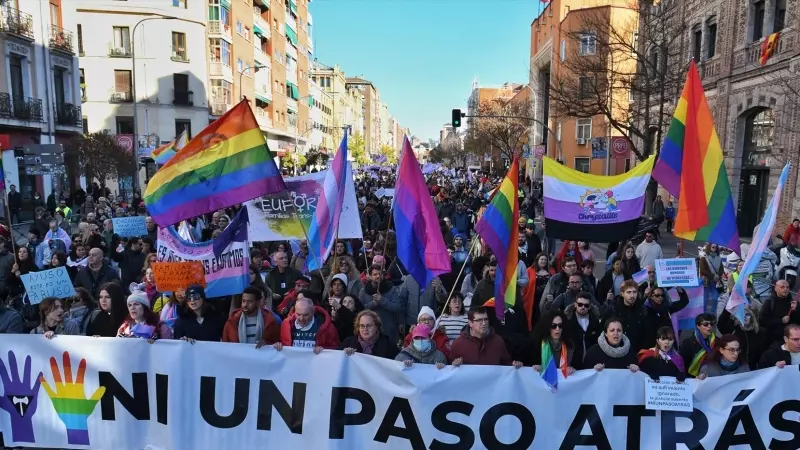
[498, 227]
[226, 164]
[690, 158]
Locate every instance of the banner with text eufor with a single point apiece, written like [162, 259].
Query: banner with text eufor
[126, 394]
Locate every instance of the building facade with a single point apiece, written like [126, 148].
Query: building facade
[370, 111]
[40, 98]
[347, 103]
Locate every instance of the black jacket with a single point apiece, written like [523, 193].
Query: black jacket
[596, 355]
[633, 320]
[130, 264]
[210, 330]
[656, 367]
[657, 317]
[773, 355]
[689, 347]
[92, 282]
[582, 339]
[14, 200]
[606, 284]
[750, 341]
[383, 348]
[771, 318]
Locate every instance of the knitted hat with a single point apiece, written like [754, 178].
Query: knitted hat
[421, 330]
[341, 277]
[139, 297]
[426, 311]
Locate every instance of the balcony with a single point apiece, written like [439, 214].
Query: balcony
[748, 57]
[263, 118]
[219, 29]
[220, 70]
[261, 57]
[115, 96]
[16, 22]
[291, 22]
[119, 51]
[260, 26]
[21, 108]
[183, 98]
[291, 104]
[218, 109]
[263, 92]
[61, 39]
[68, 115]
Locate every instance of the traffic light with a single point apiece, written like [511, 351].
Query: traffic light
[456, 118]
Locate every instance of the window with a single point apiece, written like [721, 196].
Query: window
[239, 28]
[588, 44]
[652, 61]
[239, 65]
[697, 44]
[711, 37]
[180, 84]
[213, 9]
[635, 44]
[85, 125]
[83, 85]
[758, 20]
[583, 130]
[221, 92]
[122, 40]
[179, 47]
[247, 33]
[55, 15]
[760, 130]
[179, 3]
[563, 50]
[585, 87]
[17, 79]
[558, 132]
[780, 16]
[122, 84]
[292, 116]
[124, 125]
[181, 125]
[220, 51]
[59, 76]
[583, 164]
[80, 40]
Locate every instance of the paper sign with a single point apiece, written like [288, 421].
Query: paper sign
[48, 283]
[676, 272]
[172, 276]
[668, 395]
[130, 226]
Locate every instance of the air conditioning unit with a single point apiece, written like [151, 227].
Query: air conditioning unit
[581, 141]
[120, 96]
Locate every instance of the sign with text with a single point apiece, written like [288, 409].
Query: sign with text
[667, 394]
[48, 283]
[676, 272]
[173, 276]
[130, 226]
[620, 147]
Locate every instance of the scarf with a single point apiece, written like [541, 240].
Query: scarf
[671, 356]
[699, 359]
[614, 352]
[366, 346]
[243, 327]
[728, 366]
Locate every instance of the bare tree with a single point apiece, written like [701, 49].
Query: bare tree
[628, 71]
[502, 125]
[98, 156]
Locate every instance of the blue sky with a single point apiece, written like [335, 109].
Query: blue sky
[422, 55]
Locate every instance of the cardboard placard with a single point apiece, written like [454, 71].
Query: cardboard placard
[676, 272]
[172, 276]
[130, 226]
[668, 395]
[48, 283]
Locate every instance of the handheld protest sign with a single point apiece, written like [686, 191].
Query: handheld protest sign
[172, 276]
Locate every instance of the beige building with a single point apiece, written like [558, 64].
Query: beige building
[347, 100]
[371, 111]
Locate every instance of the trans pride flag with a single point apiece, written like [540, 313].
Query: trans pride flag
[738, 298]
[325, 226]
[684, 319]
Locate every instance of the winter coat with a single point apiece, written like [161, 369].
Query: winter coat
[773, 355]
[130, 264]
[558, 285]
[413, 299]
[750, 339]
[715, 369]
[432, 356]
[660, 316]
[534, 354]
[582, 339]
[596, 355]
[656, 367]
[440, 340]
[87, 279]
[10, 321]
[383, 347]
[271, 334]
[771, 318]
[633, 321]
[327, 337]
[606, 284]
[490, 350]
[208, 331]
[389, 308]
[690, 347]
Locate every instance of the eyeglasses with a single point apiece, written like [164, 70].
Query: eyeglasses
[483, 320]
[706, 324]
[192, 297]
[582, 305]
[732, 350]
[367, 326]
[425, 320]
[556, 326]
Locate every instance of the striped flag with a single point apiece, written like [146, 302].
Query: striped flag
[684, 319]
[325, 226]
[738, 298]
[640, 277]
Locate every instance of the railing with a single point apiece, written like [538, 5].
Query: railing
[115, 51]
[21, 108]
[258, 19]
[748, 58]
[709, 70]
[68, 114]
[217, 27]
[115, 96]
[218, 109]
[61, 39]
[219, 69]
[261, 56]
[291, 22]
[291, 104]
[263, 118]
[16, 22]
[183, 98]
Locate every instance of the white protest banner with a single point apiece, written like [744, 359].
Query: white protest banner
[667, 394]
[177, 396]
[676, 272]
[48, 283]
[130, 226]
[272, 217]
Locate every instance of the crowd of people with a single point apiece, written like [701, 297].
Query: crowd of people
[364, 301]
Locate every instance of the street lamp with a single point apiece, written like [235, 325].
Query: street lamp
[256, 67]
[133, 92]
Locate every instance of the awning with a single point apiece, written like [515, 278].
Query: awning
[294, 90]
[291, 35]
[257, 30]
[263, 98]
[225, 3]
[293, 6]
[310, 101]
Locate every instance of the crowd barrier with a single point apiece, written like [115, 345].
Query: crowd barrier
[126, 394]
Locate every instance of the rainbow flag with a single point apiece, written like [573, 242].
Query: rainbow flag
[226, 164]
[163, 154]
[691, 157]
[498, 227]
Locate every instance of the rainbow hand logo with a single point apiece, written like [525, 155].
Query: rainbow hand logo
[69, 399]
[19, 398]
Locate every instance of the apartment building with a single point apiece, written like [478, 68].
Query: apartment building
[347, 108]
[321, 120]
[40, 102]
[140, 76]
[480, 94]
[260, 49]
[564, 37]
[371, 111]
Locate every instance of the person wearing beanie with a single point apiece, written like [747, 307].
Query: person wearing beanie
[141, 322]
[342, 318]
[427, 317]
[421, 350]
[201, 321]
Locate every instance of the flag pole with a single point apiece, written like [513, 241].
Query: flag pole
[297, 217]
[455, 285]
[10, 227]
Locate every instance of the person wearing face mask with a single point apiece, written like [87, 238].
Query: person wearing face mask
[549, 339]
[612, 351]
[726, 359]
[695, 349]
[422, 350]
[659, 310]
[630, 312]
[748, 333]
[662, 360]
